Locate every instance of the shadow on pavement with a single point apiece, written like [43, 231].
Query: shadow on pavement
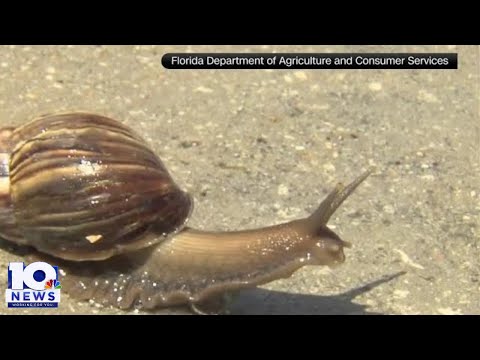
[261, 302]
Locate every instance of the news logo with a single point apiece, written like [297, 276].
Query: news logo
[35, 285]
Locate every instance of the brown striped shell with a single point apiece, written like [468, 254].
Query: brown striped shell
[81, 186]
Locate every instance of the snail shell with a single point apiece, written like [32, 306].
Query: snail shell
[87, 194]
[85, 187]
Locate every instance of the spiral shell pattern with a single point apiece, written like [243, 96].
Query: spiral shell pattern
[86, 187]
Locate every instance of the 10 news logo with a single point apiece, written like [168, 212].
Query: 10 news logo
[35, 285]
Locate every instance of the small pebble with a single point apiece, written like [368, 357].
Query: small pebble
[203, 89]
[401, 294]
[300, 75]
[389, 209]
[426, 96]
[375, 86]
[329, 167]
[282, 190]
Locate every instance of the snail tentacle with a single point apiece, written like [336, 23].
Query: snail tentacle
[333, 201]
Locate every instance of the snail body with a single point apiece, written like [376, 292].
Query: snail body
[85, 192]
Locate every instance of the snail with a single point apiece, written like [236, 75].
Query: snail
[85, 192]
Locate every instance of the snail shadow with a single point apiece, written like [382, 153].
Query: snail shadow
[261, 302]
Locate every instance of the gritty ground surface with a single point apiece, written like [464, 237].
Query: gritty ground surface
[258, 147]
